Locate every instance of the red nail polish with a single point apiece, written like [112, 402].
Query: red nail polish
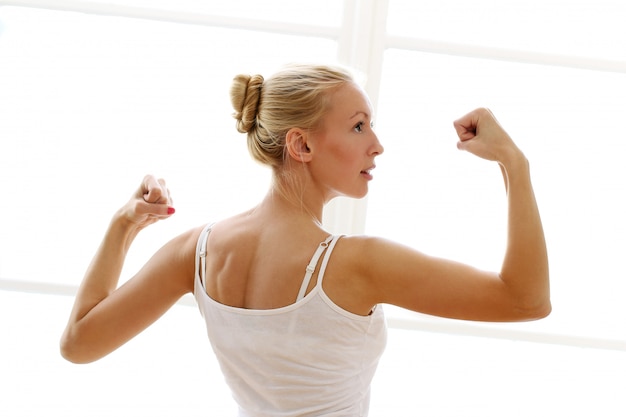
[171, 210]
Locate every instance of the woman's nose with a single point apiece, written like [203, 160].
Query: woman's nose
[378, 148]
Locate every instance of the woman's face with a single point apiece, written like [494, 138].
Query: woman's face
[344, 148]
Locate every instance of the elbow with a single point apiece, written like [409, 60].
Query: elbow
[535, 311]
[542, 305]
[68, 349]
[531, 302]
[546, 309]
[71, 350]
[70, 355]
[540, 312]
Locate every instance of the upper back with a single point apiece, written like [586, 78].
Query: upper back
[256, 265]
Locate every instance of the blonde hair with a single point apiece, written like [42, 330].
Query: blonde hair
[296, 96]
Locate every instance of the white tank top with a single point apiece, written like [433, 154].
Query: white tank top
[310, 358]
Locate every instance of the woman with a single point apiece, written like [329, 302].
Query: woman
[296, 330]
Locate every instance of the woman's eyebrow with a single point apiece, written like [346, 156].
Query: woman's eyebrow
[360, 112]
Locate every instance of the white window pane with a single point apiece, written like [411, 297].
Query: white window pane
[580, 28]
[449, 203]
[90, 104]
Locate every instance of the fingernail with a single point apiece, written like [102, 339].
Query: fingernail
[171, 210]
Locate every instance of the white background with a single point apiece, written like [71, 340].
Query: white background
[89, 104]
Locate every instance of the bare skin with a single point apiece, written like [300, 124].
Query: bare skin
[256, 259]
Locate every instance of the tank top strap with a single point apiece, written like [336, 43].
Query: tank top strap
[201, 254]
[331, 246]
[327, 245]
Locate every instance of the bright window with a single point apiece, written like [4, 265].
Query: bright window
[90, 102]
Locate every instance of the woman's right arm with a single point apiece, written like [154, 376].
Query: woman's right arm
[105, 316]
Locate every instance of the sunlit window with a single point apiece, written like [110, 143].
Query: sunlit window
[95, 94]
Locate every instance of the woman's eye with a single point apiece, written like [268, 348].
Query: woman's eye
[359, 127]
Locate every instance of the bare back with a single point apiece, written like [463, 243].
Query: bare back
[256, 264]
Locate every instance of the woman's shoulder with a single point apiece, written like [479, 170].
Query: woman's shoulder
[371, 259]
[357, 248]
[364, 257]
[349, 281]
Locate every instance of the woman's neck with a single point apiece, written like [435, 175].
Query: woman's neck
[289, 197]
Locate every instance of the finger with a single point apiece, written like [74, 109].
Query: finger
[170, 200]
[466, 126]
[148, 184]
[464, 145]
[155, 191]
[160, 211]
[166, 197]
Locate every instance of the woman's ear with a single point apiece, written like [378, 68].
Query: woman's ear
[296, 143]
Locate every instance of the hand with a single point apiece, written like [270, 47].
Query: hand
[150, 203]
[481, 134]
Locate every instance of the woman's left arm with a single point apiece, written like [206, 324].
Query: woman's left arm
[402, 276]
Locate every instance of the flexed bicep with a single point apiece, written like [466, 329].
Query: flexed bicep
[426, 284]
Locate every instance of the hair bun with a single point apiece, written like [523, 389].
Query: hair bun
[245, 95]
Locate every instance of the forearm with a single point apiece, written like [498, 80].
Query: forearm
[525, 267]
